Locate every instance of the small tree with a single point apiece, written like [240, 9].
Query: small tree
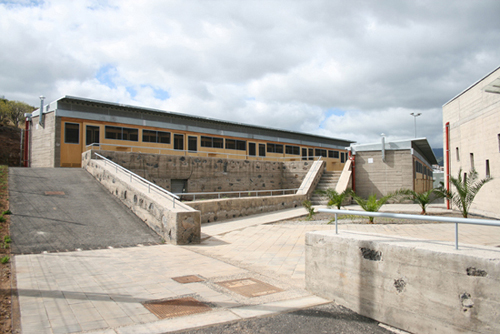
[17, 111]
[466, 189]
[423, 199]
[372, 204]
[334, 198]
[310, 209]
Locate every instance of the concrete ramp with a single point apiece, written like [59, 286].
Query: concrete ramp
[64, 209]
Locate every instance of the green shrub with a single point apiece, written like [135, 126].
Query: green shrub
[5, 259]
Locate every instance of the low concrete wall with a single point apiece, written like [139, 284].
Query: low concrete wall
[179, 225]
[417, 286]
[222, 209]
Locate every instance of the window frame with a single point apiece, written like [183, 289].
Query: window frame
[66, 133]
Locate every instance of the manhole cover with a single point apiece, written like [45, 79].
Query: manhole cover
[176, 307]
[49, 193]
[250, 287]
[187, 279]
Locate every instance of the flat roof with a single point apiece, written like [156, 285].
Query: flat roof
[420, 143]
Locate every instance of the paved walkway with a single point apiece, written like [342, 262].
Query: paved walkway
[102, 291]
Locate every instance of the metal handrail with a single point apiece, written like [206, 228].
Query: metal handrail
[236, 192]
[149, 184]
[457, 221]
[186, 152]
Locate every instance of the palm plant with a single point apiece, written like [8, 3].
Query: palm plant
[372, 204]
[335, 198]
[466, 190]
[310, 209]
[423, 199]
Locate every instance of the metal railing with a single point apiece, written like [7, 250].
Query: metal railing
[152, 150]
[151, 186]
[456, 221]
[239, 193]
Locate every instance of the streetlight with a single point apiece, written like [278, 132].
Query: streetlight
[415, 115]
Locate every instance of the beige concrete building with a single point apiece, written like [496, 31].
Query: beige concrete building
[384, 167]
[472, 138]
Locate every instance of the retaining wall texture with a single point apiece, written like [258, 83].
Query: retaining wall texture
[212, 174]
[43, 139]
[179, 225]
[420, 287]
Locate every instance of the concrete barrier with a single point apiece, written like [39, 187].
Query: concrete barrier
[177, 224]
[418, 286]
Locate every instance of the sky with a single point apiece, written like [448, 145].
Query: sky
[344, 69]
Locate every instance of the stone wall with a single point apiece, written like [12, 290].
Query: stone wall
[212, 174]
[420, 287]
[176, 223]
[42, 142]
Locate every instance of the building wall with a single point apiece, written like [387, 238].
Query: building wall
[474, 119]
[213, 174]
[43, 142]
[380, 177]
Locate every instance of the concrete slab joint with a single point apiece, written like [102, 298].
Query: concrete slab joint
[417, 286]
[179, 225]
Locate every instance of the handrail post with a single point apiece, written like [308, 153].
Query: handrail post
[456, 236]
[336, 225]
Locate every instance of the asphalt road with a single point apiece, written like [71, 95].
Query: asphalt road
[64, 209]
[329, 318]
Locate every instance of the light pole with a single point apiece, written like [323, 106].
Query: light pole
[415, 115]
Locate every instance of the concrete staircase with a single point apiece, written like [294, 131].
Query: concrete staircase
[328, 181]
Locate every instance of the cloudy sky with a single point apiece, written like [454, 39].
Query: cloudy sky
[347, 69]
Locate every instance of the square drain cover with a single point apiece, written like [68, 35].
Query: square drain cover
[54, 193]
[187, 279]
[250, 287]
[176, 307]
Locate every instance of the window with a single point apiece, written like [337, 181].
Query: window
[419, 168]
[262, 150]
[295, 150]
[72, 133]
[472, 161]
[251, 149]
[311, 153]
[333, 154]
[178, 142]
[274, 148]
[119, 133]
[232, 144]
[320, 152]
[458, 154]
[304, 154]
[342, 157]
[488, 169]
[149, 136]
[193, 143]
[92, 135]
[212, 142]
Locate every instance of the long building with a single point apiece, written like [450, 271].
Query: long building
[472, 139]
[71, 125]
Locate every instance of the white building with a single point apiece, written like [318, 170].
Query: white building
[472, 139]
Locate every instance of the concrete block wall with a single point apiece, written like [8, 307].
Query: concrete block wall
[213, 174]
[43, 142]
[380, 177]
[420, 287]
[176, 224]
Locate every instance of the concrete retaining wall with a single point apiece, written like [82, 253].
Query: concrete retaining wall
[212, 174]
[417, 286]
[178, 225]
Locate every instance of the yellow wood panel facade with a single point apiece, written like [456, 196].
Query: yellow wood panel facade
[88, 130]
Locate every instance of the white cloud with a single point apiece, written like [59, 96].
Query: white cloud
[272, 63]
